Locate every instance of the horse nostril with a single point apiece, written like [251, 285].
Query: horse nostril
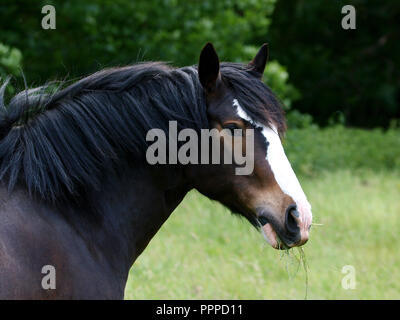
[263, 220]
[295, 213]
[292, 218]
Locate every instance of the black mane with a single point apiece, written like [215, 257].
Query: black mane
[56, 142]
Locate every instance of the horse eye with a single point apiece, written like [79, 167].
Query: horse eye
[231, 127]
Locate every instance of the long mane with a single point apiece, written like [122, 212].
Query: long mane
[57, 141]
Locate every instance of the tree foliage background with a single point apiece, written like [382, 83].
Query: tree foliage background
[352, 76]
[317, 68]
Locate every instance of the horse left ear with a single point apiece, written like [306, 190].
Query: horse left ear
[260, 60]
[209, 68]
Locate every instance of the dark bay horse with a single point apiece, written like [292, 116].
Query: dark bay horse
[78, 195]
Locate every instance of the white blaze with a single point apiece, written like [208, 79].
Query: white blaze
[280, 166]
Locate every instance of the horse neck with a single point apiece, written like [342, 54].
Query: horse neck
[133, 206]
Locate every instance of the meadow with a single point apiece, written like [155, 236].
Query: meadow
[204, 252]
[352, 180]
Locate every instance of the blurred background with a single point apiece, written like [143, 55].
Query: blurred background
[341, 92]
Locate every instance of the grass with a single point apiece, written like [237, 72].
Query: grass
[314, 150]
[203, 252]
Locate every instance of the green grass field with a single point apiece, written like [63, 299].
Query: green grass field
[203, 252]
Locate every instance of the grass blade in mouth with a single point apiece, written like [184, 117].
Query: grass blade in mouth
[290, 259]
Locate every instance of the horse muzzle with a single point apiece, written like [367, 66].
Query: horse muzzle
[293, 232]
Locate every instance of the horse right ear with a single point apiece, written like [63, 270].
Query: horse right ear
[209, 68]
[260, 60]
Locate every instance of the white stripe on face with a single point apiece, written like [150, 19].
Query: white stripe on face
[280, 166]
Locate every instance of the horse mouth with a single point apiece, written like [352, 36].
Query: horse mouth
[270, 234]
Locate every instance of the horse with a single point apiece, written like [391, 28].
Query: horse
[79, 199]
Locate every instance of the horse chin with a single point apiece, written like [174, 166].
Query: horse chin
[272, 238]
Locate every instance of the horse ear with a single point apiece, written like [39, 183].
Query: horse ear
[260, 60]
[209, 68]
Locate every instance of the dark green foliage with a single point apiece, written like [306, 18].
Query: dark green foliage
[94, 34]
[10, 63]
[337, 76]
[346, 75]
